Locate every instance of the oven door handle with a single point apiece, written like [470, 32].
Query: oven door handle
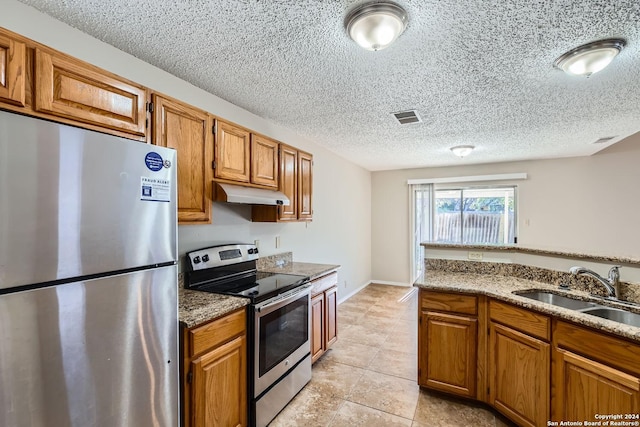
[285, 297]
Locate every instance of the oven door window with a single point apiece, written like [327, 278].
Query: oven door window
[282, 332]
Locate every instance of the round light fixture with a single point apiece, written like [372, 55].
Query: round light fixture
[589, 58]
[375, 26]
[462, 150]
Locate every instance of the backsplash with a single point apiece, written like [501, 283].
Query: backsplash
[630, 292]
[273, 261]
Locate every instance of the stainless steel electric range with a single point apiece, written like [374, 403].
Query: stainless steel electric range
[278, 327]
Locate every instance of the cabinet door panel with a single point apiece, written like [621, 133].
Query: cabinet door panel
[67, 88]
[186, 129]
[448, 353]
[583, 388]
[264, 161]
[317, 326]
[13, 57]
[232, 152]
[219, 386]
[305, 186]
[331, 301]
[289, 182]
[519, 375]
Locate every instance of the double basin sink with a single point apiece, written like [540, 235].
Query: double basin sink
[592, 308]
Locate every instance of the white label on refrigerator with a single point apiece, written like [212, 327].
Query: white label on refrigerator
[155, 189]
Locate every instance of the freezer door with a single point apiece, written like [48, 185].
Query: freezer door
[75, 203]
[102, 352]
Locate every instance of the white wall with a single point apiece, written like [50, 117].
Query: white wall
[583, 204]
[341, 230]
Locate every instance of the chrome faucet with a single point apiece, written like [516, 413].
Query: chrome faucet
[611, 283]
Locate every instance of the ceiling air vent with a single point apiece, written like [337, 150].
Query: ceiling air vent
[407, 117]
[604, 139]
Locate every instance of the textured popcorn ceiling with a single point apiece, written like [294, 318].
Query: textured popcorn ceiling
[478, 72]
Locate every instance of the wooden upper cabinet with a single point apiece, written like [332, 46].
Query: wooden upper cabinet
[305, 186]
[13, 60]
[264, 161]
[188, 130]
[232, 152]
[289, 182]
[69, 88]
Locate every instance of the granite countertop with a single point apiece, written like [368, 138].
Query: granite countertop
[502, 288]
[195, 307]
[533, 251]
[302, 268]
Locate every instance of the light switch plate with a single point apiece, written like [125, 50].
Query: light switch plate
[475, 256]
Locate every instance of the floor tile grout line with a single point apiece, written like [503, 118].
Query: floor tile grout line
[381, 410]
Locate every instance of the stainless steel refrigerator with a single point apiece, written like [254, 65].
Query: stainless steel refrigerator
[88, 292]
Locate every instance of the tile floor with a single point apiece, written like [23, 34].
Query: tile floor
[368, 377]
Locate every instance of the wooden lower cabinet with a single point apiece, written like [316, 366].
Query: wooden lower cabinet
[519, 369]
[593, 373]
[534, 368]
[215, 373]
[584, 388]
[218, 387]
[331, 312]
[317, 326]
[324, 314]
[447, 354]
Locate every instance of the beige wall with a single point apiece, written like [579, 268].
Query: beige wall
[341, 230]
[581, 204]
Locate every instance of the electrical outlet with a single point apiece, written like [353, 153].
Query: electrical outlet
[277, 242]
[257, 243]
[475, 256]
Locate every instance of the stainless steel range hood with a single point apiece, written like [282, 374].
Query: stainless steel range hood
[248, 195]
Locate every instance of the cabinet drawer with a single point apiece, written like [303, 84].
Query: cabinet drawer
[457, 303]
[216, 332]
[323, 283]
[520, 319]
[599, 346]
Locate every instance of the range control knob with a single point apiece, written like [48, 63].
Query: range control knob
[205, 258]
[250, 251]
[196, 260]
[255, 251]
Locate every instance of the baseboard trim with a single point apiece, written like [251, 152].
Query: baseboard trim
[375, 282]
[384, 282]
[352, 293]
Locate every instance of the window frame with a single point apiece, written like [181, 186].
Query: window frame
[462, 189]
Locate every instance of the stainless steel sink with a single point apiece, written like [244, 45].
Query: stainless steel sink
[592, 308]
[616, 315]
[558, 300]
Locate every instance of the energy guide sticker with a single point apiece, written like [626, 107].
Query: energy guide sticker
[155, 189]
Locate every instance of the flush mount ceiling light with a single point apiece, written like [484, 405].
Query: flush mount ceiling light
[462, 150]
[375, 26]
[589, 58]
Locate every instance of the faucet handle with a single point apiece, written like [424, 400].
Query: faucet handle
[614, 273]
